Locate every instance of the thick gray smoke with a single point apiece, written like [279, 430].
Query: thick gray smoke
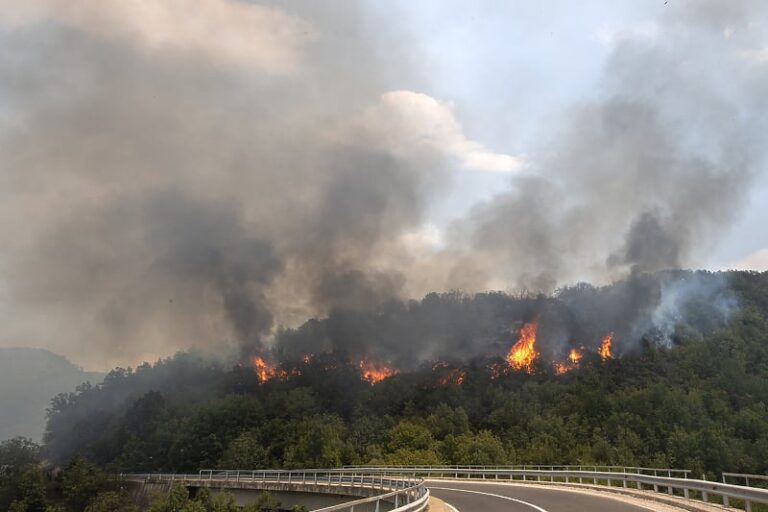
[646, 174]
[158, 198]
[165, 188]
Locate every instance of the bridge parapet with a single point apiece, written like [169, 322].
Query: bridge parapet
[672, 482]
[378, 492]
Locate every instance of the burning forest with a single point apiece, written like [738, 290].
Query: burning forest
[522, 357]
[496, 334]
[371, 232]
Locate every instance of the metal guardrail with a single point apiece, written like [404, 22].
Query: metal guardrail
[689, 488]
[682, 473]
[746, 477]
[403, 493]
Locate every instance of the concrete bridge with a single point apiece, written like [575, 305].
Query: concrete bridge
[478, 488]
[318, 490]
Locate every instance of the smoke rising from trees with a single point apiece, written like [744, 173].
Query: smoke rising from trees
[158, 196]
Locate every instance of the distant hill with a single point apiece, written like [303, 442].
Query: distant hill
[29, 378]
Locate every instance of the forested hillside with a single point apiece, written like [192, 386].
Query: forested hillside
[695, 400]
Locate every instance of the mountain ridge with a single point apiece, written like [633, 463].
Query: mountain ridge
[29, 379]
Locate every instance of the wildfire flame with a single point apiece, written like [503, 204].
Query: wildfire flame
[496, 370]
[605, 347]
[375, 372]
[523, 354]
[264, 370]
[574, 356]
[448, 376]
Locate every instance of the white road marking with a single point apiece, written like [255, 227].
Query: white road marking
[521, 502]
[636, 501]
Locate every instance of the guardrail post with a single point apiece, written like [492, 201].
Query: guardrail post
[726, 500]
[655, 486]
[748, 506]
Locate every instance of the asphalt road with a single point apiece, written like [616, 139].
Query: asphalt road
[483, 497]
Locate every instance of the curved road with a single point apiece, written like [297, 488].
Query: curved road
[485, 497]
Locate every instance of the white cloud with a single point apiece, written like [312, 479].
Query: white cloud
[758, 260]
[228, 31]
[412, 123]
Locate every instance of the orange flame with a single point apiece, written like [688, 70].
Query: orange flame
[375, 372]
[605, 347]
[448, 376]
[264, 370]
[523, 354]
[496, 370]
[284, 375]
[574, 356]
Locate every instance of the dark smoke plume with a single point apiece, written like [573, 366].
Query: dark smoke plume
[163, 188]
